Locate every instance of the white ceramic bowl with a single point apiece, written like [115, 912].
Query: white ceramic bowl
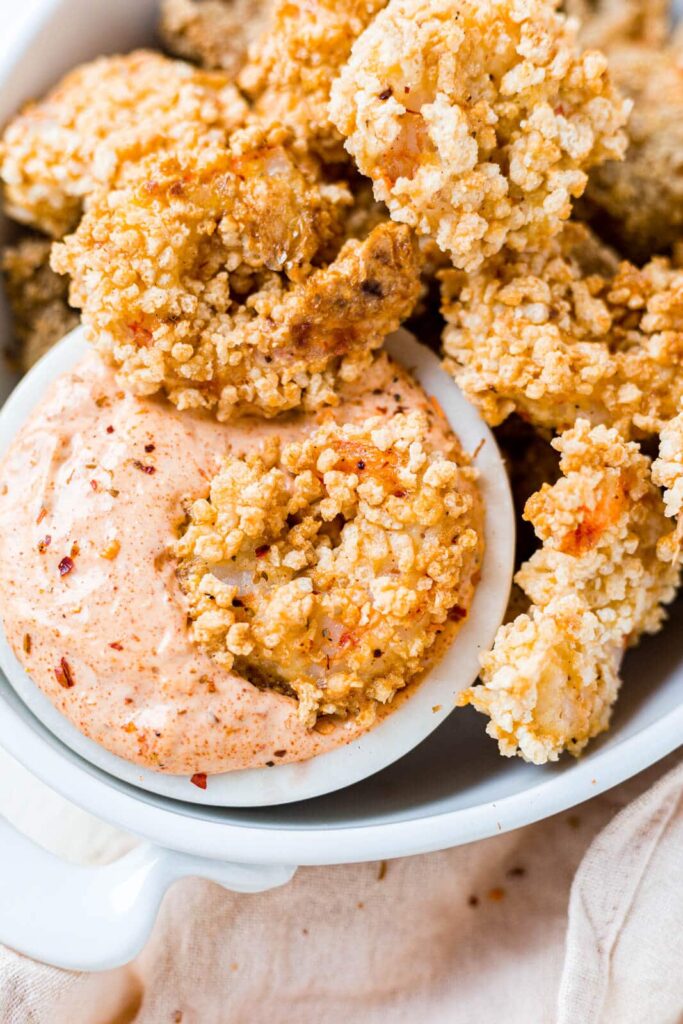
[454, 788]
[431, 701]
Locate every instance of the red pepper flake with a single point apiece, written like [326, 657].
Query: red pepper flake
[399, 494]
[360, 464]
[66, 565]
[44, 544]
[27, 643]
[262, 550]
[116, 646]
[63, 674]
[279, 753]
[110, 430]
[94, 484]
[457, 613]
[75, 550]
[41, 515]
[496, 894]
[149, 448]
[143, 468]
[199, 780]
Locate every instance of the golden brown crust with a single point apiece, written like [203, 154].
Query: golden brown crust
[215, 33]
[476, 121]
[94, 127]
[220, 279]
[328, 568]
[291, 68]
[595, 586]
[557, 334]
[606, 23]
[667, 471]
[37, 298]
[640, 200]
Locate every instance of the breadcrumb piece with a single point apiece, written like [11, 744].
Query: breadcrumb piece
[215, 33]
[667, 472]
[604, 23]
[477, 119]
[328, 568]
[292, 65]
[640, 200]
[37, 298]
[98, 123]
[595, 585]
[565, 332]
[222, 279]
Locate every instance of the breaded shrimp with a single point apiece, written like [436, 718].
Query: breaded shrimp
[477, 120]
[565, 332]
[606, 23]
[595, 586]
[37, 298]
[639, 201]
[667, 471]
[91, 130]
[327, 569]
[223, 281]
[292, 65]
[215, 33]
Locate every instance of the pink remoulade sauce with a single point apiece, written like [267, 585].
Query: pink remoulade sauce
[92, 493]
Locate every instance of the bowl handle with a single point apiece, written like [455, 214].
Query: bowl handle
[95, 918]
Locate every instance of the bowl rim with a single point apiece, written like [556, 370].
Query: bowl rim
[181, 828]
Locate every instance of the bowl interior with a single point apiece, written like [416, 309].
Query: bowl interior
[454, 772]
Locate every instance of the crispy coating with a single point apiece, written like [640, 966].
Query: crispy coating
[595, 585]
[604, 23]
[556, 334]
[37, 298]
[223, 280]
[293, 64]
[667, 471]
[215, 33]
[328, 568]
[640, 201]
[96, 125]
[477, 119]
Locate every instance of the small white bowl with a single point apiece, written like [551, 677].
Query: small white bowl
[416, 716]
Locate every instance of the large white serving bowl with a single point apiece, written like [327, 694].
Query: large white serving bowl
[454, 788]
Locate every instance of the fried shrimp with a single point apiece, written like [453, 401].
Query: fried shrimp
[595, 585]
[328, 568]
[557, 334]
[224, 281]
[667, 471]
[98, 123]
[37, 298]
[215, 33]
[640, 201]
[477, 121]
[292, 66]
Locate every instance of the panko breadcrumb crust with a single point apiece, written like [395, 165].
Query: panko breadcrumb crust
[37, 298]
[556, 334]
[639, 200]
[667, 472]
[477, 119]
[329, 567]
[595, 585]
[225, 280]
[604, 23]
[95, 126]
[293, 64]
[215, 33]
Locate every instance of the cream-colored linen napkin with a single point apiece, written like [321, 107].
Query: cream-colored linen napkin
[475, 934]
